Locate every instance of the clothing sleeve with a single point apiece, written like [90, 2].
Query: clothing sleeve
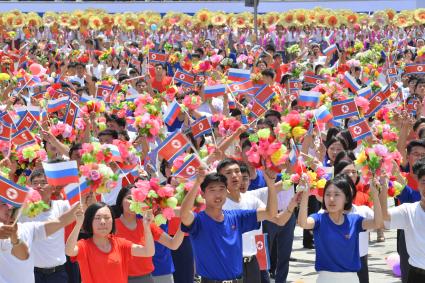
[247, 220]
[316, 217]
[359, 223]
[193, 229]
[260, 194]
[125, 247]
[399, 217]
[39, 231]
[406, 195]
[156, 232]
[82, 245]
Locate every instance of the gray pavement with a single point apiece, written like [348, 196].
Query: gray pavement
[302, 270]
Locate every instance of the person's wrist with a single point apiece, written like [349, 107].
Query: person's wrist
[16, 241]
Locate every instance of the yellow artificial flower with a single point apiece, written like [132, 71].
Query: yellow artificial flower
[298, 132]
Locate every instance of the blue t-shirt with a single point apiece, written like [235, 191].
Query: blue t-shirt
[162, 260]
[409, 195]
[175, 126]
[337, 246]
[217, 246]
[260, 182]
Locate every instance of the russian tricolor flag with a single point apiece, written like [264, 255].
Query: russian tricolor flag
[57, 104]
[116, 155]
[323, 115]
[309, 98]
[330, 50]
[366, 92]
[172, 113]
[214, 91]
[73, 191]
[239, 75]
[350, 82]
[61, 173]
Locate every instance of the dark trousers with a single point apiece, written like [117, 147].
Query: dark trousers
[280, 239]
[183, 262]
[416, 276]
[251, 271]
[73, 271]
[404, 256]
[56, 277]
[313, 207]
[363, 273]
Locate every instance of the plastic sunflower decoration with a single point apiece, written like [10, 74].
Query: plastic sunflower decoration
[218, 19]
[419, 16]
[95, 23]
[203, 17]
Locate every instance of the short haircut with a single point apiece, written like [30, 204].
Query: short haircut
[124, 133]
[418, 123]
[414, 143]
[226, 162]
[342, 182]
[418, 165]
[246, 143]
[244, 168]
[351, 144]
[333, 140]
[344, 155]
[37, 173]
[420, 81]
[108, 132]
[244, 135]
[268, 73]
[271, 112]
[90, 214]
[213, 178]
[340, 166]
[270, 47]
[75, 147]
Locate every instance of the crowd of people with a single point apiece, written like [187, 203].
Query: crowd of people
[198, 145]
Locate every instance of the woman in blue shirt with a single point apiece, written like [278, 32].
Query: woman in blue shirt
[336, 233]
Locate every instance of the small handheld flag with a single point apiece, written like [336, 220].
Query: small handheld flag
[214, 91]
[265, 94]
[239, 75]
[263, 256]
[156, 57]
[61, 173]
[188, 169]
[174, 145]
[74, 190]
[201, 127]
[57, 104]
[344, 109]
[309, 98]
[172, 113]
[12, 193]
[359, 129]
[184, 77]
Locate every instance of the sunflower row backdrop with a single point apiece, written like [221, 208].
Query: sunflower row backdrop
[100, 20]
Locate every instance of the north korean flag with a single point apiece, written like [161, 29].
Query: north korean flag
[22, 137]
[26, 121]
[71, 113]
[391, 89]
[311, 78]
[376, 101]
[265, 94]
[174, 145]
[359, 129]
[415, 69]
[263, 256]
[188, 169]
[5, 131]
[184, 78]
[413, 105]
[392, 72]
[257, 109]
[295, 84]
[105, 92]
[11, 193]
[157, 57]
[201, 127]
[344, 109]
[244, 87]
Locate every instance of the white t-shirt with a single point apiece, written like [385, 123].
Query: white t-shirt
[247, 201]
[411, 218]
[367, 213]
[12, 269]
[51, 251]
[283, 197]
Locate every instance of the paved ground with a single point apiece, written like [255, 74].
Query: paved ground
[302, 270]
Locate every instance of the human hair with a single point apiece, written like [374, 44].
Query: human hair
[108, 132]
[332, 132]
[421, 133]
[344, 155]
[90, 214]
[243, 135]
[333, 140]
[271, 112]
[125, 135]
[340, 166]
[163, 167]
[125, 191]
[37, 173]
[245, 144]
[342, 182]
[235, 112]
[75, 147]
[414, 143]
[271, 48]
[420, 81]
[345, 134]
[418, 165]
[418, 122]
[244, 168]
[226, 162]
[269, 73]
[213, 178]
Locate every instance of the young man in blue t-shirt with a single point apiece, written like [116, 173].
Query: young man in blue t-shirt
[216, 234]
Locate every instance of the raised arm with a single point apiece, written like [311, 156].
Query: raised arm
[71, 248]
[173, 243]
[186, 213]
[148, 249]
[65, 219]
[271, 208]
[377, 221]
[303, 220]
[283, 217]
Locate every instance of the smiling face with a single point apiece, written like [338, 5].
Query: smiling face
[102, 222]
[39, 183]
[334, 199]
[215, 195]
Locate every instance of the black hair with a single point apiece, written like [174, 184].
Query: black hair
[272, 112]
[345, 134]
[421, 133]
[118, 209]
[267, 123]
[268, 73]
[342, 182]
[122, 77]
[125, 135]
[335, 139]
[213, 178]
[340, 166]
[79, 64]
[89, 217]
[413, 144]
[114, 118]
[261, 61]
[235, 112]
[75, 147]
[332, 132]
[162, 167]
[412, 78]
[344, 155]
[420, 81]
[270, 47]
[246, 143]
[226, 162]
[418, 122]
[108, 132]
[244, 168]
[37, 173]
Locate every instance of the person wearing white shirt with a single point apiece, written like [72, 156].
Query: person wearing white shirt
[411, 218]
[16, 259]
[49, 254]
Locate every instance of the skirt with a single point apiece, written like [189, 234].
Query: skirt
[337, 277]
